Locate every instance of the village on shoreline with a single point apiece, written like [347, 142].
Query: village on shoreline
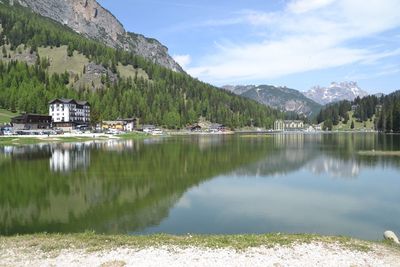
[71, 118]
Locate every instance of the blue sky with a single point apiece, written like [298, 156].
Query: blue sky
[294, 43]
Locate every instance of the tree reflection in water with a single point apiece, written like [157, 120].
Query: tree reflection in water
[129, 186]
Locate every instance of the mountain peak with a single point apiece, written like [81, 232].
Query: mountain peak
[89, 18]
[336, 91]
[279, 97]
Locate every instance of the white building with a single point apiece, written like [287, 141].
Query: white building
[69, 113]
[288, 125]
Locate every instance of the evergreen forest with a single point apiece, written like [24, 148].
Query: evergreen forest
[166, 98]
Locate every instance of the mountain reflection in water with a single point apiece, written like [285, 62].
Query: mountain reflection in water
[145, 186]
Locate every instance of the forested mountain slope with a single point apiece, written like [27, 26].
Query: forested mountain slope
[282, 98]
[155, 94]
[90, 19]
[382, 112]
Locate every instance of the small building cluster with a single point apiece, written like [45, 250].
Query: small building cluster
[123, 125]
[70, 115]
[207, 127]
[295, 126]
[67, 115]
[64, 115]
[288, 125]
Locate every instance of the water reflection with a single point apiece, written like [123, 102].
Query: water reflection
[334, 167]
[198, 184]
[323, 154]
[112, 187]
[68, 157]
[294, 204]
[33, 152]
[290, 141]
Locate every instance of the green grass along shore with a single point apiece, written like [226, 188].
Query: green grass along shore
[96, 242]
[6, 115]
[21, 140]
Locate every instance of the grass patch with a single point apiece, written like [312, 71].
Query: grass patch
[20, 53]
[61, 62]
[358, 126]
[94, 242]
[130, 71]
[5, 116]
[134, 136]
[379, 153]
[11, 141]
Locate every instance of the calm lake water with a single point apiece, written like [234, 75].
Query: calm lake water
[297, 183]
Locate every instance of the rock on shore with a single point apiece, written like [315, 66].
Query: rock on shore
[389, 235]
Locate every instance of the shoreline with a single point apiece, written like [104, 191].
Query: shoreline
[194, 250]
[85, 137]
[67, 138]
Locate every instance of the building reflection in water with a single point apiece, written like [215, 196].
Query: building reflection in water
[288, 140]
[68, 157]
[117, 145]
[72, 156]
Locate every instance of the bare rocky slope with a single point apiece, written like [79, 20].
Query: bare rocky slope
[90, 19]
[335, 92]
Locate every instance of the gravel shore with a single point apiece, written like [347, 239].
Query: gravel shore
[311, 254]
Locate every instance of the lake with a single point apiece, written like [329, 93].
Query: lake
[289, 183]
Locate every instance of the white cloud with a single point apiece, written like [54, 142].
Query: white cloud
[303, 6]
[307, 35]
[259, 18]
[381, 71]
[183, 60]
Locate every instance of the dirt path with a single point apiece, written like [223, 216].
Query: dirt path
[313, 254]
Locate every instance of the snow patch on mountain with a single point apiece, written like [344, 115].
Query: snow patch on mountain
[335, 92]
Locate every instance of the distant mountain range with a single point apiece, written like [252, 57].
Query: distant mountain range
[335, 92]
[303, 103]
[283, 98]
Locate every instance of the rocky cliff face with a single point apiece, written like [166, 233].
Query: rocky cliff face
[90, 19]
[335, 92]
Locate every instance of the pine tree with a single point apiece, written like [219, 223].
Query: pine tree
[328, 124]
[346, 118]
[4, 50]
[170, 98]
[70, 50]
